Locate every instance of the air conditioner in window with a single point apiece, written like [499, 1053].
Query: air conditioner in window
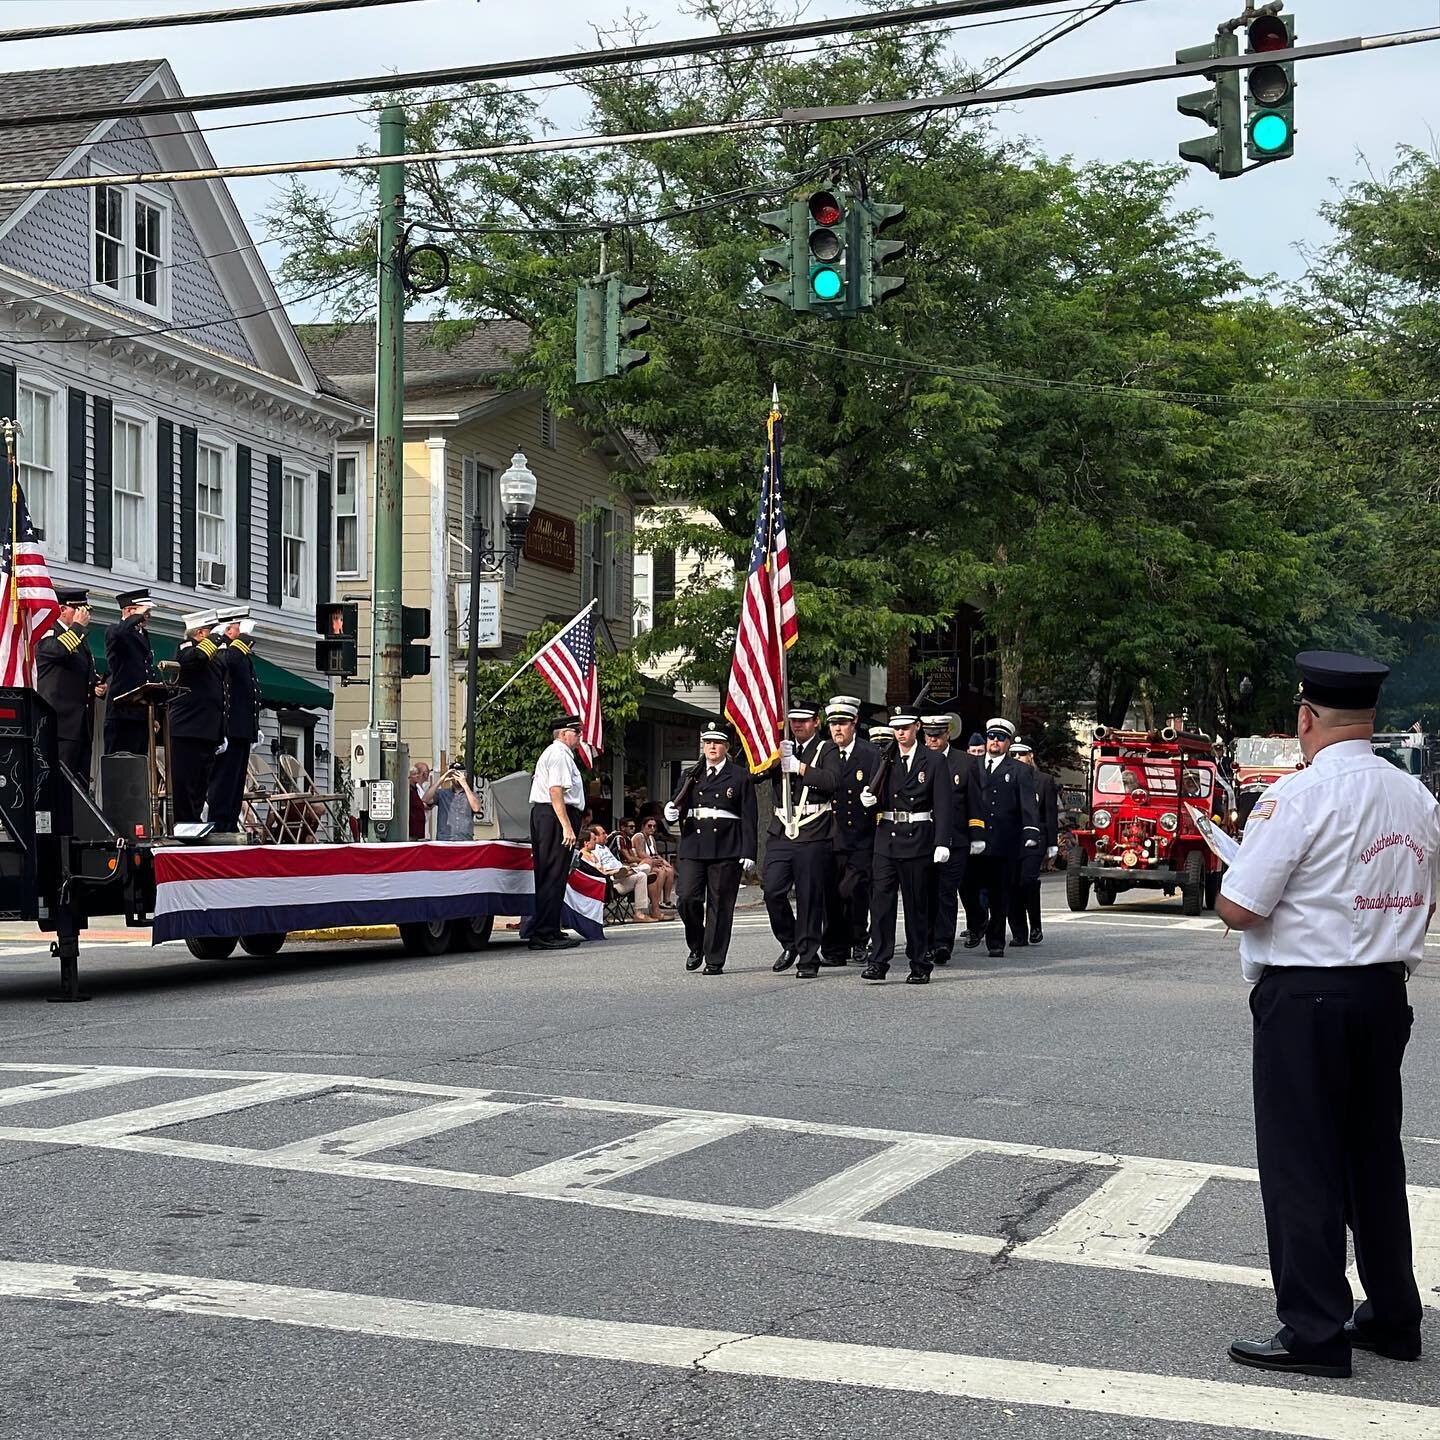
[211, 573]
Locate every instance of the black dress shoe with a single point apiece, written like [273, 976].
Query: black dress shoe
[973, 939]
[693, 961]
[939, 957]
[1272, 1355]
[833, 964]
[995, 954]
[1036, 935]
[807, 972]
[874, 973]
[859, 954]
[558, 942]
[1392, 1347]
[713, 970]
[786, 960]
[918, 977]
[1018, 940]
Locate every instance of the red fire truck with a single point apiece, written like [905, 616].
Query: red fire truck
[1260, 760]
[1140, 831]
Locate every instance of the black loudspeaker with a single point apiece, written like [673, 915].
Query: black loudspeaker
[125, 793]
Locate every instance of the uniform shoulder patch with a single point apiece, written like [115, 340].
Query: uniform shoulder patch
[1264, 810]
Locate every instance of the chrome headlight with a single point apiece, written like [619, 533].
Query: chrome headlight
[1101, 820]
[1170, 823]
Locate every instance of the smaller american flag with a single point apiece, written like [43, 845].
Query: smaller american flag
[28, 607]
[567, 665]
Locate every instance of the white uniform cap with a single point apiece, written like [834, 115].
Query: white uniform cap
[200, 620]
[1021, 748]
[880, 732]
[998, 724]
[228, 615]
[843, 707]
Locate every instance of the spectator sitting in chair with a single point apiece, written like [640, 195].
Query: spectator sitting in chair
[648, 853]
[454, 804]
[627, 879]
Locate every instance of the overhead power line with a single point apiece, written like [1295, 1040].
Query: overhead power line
[543, 65]
[275, 11]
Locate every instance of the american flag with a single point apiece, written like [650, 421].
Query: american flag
[755, 699]
[567, 665]
[28, 607]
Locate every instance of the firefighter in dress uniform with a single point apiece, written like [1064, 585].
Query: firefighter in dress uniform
[241, 725]
[132, 664]
[803, 861]
[966, 825]
[847, 903]
[913, 800]
[66, 678]
[1332, 892]
[1012, 830]
[196, 717]
[557, 801]
[715, 809]
[1025, 907]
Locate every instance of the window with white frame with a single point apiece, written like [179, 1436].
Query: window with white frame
[130, 489]
[349, 516]
[131, 251]
[603, 554]
[214, 531]
[295, 522]
[654, 580]
[36, 452]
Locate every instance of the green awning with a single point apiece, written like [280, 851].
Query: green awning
[278, 686]
[671, 706]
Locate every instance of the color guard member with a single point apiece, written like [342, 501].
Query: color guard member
[966, 825]
[847, 905]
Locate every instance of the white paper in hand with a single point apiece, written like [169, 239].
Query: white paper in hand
[1227, 847]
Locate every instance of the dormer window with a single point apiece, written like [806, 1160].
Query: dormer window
[132, 244]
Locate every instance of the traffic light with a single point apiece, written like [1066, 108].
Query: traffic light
[828, 290]
[337, 653]
[1270, 91]
[1219, 106]
[784, 261]
[868, 286]
[622, 327]
[590, 331]
[414, 625]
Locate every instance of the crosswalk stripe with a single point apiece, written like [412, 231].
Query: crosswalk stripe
[868, 1185]
[1259, 1408]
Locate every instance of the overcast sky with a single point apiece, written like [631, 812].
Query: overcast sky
[1350, 110]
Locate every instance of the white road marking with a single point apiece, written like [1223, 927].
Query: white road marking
[97, 1079]
[1135, 1200]
[1258, 1408]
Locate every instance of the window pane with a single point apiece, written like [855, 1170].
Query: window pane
[345, 486]
[347, 545]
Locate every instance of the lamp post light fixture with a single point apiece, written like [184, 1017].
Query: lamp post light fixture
[517, 499]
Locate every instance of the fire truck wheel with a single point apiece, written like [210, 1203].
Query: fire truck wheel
[472, 934]
[1077, 888]
[1192, 888]
[1105, 893]
[1212, 889]
[428, 938]
[211, 947]
[262, 946]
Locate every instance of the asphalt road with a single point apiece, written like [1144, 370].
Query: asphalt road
[515, 1195]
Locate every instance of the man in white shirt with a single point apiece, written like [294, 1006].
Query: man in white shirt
[1332, 891]
[631, 880]
[557, 798]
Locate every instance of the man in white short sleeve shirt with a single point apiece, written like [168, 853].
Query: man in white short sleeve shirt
[557, 798]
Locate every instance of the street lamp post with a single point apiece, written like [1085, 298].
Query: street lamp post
[517, 499]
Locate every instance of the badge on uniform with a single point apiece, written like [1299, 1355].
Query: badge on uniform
[729, 792]
[921, 777]
[859, 774]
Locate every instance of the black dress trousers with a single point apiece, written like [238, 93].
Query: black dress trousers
[190, 765]
[552, 859]
[805, 866]
[1000, 879]
[945, 884]
[1328, 1044]
[847, 904]
[705, 892]
[227, 785]
[910, 879]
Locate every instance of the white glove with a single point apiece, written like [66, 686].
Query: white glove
[672, 812]
[222, 747]
[977, 847]
[868, 798]
[748, 866]
[789, 764]
[787, 749]
[1052, 852]
[1031, 844]
[942, 854]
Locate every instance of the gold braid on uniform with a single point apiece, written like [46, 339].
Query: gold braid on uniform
[241, 646]
[71, 640]
[207, 647]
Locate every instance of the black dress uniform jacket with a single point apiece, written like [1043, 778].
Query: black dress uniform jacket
[242, 692]
[732, 790]
[1009, 808]
[927, 786]
[1048, 796]
[65, 676]
[854, 824]
[199, 715]
[128, 654]
[817, 785]
[967, 819]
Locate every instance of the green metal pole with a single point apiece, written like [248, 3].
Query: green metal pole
[386, 637]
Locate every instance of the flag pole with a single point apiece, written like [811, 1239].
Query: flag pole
[9, 427]
[523, 668]
[786, 791]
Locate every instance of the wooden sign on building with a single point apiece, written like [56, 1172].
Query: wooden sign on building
[550, 540]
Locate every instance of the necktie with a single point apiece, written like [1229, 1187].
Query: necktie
[711, 773]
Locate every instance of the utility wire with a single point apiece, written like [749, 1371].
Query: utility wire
[276, 11]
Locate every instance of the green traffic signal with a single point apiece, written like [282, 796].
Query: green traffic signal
[826, 283]
[1270, 91]
[1270, 133]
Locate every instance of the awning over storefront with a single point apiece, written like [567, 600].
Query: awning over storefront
[279, 687]
[669, 708]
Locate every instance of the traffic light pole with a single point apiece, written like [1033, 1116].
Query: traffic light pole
[386, 637]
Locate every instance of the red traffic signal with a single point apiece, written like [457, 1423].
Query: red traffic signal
[825, 208]
[1268, 33]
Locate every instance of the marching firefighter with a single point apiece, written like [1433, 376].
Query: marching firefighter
[241, 726]
[196, 717]
[66, 678]
[715, 809]
[1012, 829]
[847, 902]
[131, 664]
[798, 844]
[967, 825]
[913, 798]
[1025, 907]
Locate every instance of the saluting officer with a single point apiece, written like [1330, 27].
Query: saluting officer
[196, 717]
[967, 825]
[1332, 891]
[1012, 828]
[131, 664]
[847, 901]
[241, 725]
[715, 809]
[913, 797]
[557, 801]
[802, 860]
[66, 677]
[1025, 907]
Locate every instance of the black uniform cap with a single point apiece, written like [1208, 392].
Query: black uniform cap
[1345, 682]
[802, 710]
[133, 597]
[565, 722]
[72, 596]
[715, 731]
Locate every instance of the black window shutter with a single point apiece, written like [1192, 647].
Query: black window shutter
[323, 571]
[9, 404]
[104, 451]
[165, 500]
[242, 522]
[273, 568]
[189, 455]
[77, 466]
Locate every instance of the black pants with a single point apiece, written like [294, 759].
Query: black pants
[999, 878]
[75, 752]
[227, 785]
[945, 882]
[896, 880]
[190, 765]
[847, 904]
[972, 895]
[127, 727]
[705, 892]
[1328, 1047]
[551, 858]
[1025, 909]
[806, 866]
